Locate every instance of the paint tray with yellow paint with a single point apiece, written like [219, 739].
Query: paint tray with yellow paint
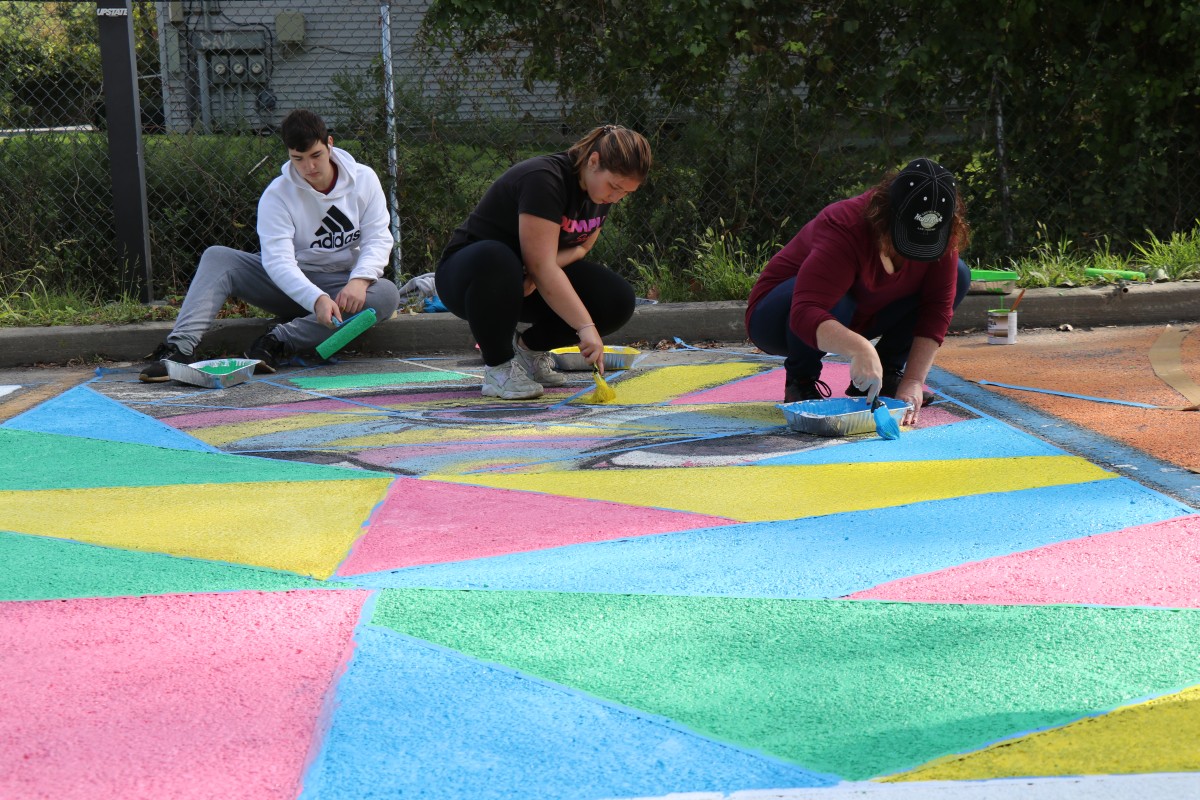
[838, 416]
[569, 359]
[216, 373]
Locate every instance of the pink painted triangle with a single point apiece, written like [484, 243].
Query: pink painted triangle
[213, 695]
[765, 387]
[1147, 565]
[429, 522]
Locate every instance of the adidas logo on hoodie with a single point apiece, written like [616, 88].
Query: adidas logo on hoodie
[336, 231]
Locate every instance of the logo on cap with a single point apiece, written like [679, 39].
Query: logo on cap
[929, 220]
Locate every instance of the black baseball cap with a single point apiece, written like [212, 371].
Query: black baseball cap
[923, 198]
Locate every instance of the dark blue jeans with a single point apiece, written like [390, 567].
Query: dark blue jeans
[771, 332]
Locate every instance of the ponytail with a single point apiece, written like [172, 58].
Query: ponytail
[622, 151]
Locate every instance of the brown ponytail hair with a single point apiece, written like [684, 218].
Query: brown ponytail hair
[622, 151]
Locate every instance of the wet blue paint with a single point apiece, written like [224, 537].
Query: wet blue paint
[415, 720]
[817, 557]
[972, 438]
[86, 413]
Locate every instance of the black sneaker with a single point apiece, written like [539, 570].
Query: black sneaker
[270, 352]
[797, 389]
[157, 372]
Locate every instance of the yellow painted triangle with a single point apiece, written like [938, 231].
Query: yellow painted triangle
[776, 492]
[667, 383]
[1156, 736]
[305, 527]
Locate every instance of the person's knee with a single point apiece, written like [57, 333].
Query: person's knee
[963, 282]
[620, 306]
[486, 264]
[384, 297]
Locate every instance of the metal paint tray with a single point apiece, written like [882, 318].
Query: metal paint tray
[216, 373]
[569, 359]
[838, 416]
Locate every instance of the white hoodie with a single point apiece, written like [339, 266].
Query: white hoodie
[300, 229]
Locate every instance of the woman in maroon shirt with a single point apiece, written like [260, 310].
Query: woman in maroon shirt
[884, 264]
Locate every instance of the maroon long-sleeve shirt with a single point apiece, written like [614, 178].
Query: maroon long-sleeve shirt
[835, 255]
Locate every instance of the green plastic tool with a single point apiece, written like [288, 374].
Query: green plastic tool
[1126, 274]
[346, 332]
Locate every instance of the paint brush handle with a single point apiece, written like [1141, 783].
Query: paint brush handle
[1017, 302]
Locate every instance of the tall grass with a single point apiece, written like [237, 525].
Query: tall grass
[1178, 257]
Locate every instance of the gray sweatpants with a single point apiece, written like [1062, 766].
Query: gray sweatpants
[224, 272]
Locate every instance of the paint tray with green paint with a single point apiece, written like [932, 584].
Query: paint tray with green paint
[216, 373]
[570, 359]
[838, 416]
[992, 281]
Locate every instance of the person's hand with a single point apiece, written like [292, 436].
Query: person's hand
[911, 391]
[591, 346]
[866, 371]
[353, 296]
[327, 311]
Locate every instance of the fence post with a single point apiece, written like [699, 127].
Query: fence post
[122, 112]
[389, 99]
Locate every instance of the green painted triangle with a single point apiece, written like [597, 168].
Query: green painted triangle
[857, 689]
[38, 568]
[34, 460]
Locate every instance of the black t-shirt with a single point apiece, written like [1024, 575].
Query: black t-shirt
[544, 186]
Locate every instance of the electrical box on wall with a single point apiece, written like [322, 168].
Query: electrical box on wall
[289, 27]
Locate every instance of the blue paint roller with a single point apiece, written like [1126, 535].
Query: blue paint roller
[347, 332]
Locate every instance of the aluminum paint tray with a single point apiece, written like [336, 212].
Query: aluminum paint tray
[216, 373]
[569, 359]
[838, 416]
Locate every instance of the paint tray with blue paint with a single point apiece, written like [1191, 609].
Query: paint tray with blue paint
[570, 359]
[838, 416]
[216, 373]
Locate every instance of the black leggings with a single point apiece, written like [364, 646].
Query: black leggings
[483, 283]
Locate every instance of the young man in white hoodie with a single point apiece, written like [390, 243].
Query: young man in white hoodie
[323, 231]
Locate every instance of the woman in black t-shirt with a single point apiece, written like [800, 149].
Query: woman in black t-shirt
[519, 257]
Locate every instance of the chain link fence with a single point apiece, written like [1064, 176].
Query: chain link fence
[737, 170]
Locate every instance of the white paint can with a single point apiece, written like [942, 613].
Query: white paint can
[1002, 326]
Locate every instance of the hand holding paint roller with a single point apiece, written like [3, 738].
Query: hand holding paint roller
[347, 331]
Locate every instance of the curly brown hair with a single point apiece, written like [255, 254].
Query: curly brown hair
[879, 218]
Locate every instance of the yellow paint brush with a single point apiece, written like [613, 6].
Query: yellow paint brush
[603, 393]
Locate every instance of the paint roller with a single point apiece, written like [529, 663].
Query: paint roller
[347, 331]
[1120, 274]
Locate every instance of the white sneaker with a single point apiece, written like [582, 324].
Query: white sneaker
[510, 382]
[538, 364]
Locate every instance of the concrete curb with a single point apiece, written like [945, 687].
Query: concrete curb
[693, 322]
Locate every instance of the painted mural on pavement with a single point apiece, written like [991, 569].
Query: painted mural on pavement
[365, 579]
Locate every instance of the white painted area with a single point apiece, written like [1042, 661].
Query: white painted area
[8, 390]
[1173, 786]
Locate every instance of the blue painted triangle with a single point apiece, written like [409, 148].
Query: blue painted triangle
[411, 715]
[88, 414]
[973, 438]
[814, 557]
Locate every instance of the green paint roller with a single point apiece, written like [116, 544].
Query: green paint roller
[1124, 274]
[346, 332]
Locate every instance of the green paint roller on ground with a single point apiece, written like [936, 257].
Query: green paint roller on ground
[348, 331]
[854, 688]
